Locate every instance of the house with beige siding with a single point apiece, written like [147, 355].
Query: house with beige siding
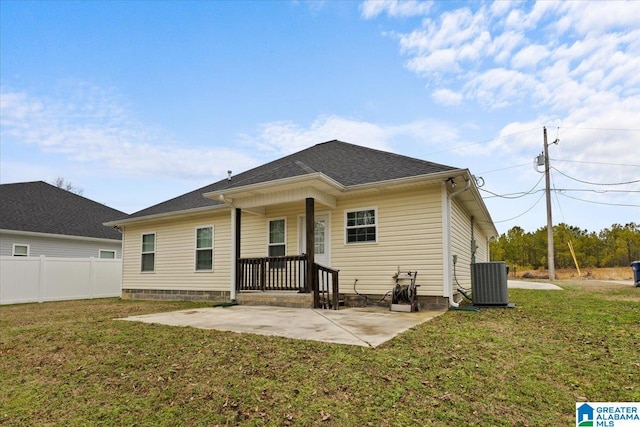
[334, 222]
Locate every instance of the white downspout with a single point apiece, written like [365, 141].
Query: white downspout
[234, 266]
[446, 220]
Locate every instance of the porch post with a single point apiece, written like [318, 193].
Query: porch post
[310, 234]
[236, 218]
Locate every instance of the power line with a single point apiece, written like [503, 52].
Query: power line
[596, 163]
[518, 216]
[600, 203]
[595, 183]
[607, 129]
[503, 169]
[587, 190]
[557, 200]
[481, 142]
[509, 196]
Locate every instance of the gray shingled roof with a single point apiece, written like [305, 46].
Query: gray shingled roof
[347, 164]
[43, 208]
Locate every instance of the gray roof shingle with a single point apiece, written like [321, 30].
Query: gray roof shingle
[348, 164]
[43, 208]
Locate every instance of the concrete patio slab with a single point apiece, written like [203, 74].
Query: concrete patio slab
[367, 327]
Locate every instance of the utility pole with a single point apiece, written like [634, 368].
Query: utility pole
[550, 261]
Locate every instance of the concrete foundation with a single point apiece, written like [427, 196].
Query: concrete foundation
[290, 299]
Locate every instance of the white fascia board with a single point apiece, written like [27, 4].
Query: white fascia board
[154, 217]
[432, 177]
[294, 180]
[58, 236]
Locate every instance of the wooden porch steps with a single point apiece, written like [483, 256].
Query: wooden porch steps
[291, 299]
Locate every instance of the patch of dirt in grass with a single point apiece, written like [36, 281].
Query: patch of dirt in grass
[609, 273]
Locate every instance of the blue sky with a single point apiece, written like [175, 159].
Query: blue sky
[138, 102]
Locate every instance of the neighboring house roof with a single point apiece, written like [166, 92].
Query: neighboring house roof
[347, 164]
[39, 207]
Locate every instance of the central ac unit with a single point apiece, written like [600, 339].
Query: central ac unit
[489, 283]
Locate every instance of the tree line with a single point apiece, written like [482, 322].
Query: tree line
[616, 246]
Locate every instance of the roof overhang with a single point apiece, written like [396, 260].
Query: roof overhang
[325, 190]
[59, 236]
[317, 185]
[165, 215]
[473, 202]
[254, 197]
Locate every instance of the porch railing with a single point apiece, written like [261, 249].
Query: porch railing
[279, 273]
[326, 289]
[288, 273]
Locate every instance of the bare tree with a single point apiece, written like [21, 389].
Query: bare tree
[60, 182]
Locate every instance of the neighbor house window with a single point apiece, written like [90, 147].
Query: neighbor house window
[361, 226]
[204, 249]
[148, 252]
[107, 254]
[20, 250]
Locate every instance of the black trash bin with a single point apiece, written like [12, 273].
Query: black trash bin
[635, 265]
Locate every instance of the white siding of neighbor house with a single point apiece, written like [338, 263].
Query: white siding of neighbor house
[175, 254]
[461, 243]
[59, 247]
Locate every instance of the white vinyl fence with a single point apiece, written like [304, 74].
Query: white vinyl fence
[39, 279]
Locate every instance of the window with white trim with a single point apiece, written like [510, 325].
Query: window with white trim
[148, 257]
[204, 248]
[20, 250]
[361, 226]
[107, 254]
[277, 237]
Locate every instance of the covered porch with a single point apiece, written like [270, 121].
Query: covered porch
[278, 275]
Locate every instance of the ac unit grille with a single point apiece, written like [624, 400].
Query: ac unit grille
[489, 283]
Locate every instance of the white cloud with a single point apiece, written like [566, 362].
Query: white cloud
[552, 55]
[92, 127]
[394, 8]
[447, 97]
[529, 56]
[499, 87]
[285, 137]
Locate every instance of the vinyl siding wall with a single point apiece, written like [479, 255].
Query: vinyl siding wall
[175, 255]
[461, 243]
[57, 247]
[409, 237]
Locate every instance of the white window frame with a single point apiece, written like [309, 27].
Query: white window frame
[142, 252]
[113, 251]
[13, 249]
[269, 244]
[196, 249]
[375, 225]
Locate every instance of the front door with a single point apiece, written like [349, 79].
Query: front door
[322, 238]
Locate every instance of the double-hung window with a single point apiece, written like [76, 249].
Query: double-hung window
[361, 226]
[277, 237]
[148, 258]
[204, 248]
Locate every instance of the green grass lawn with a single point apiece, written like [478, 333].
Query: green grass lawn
[70, 363]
